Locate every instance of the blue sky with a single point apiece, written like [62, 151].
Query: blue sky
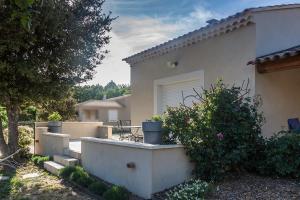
[142, 24]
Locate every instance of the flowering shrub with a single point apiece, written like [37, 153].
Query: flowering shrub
[195, 189]
[221, 133]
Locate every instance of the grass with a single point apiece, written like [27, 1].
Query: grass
[45, 186]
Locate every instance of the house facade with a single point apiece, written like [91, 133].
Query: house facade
[258, 44]
[107, 111]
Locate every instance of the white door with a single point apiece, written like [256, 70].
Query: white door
[173, 94]
[171, 91]
[112, 115]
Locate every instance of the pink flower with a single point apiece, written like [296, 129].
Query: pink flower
[220, 136]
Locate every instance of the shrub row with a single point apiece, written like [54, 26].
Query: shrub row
[82, 178]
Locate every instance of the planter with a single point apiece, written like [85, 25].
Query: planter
[54, 126]
[152, 132]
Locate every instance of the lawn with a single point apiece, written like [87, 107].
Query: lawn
[41, 185]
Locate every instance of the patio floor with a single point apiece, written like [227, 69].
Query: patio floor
[75, 145]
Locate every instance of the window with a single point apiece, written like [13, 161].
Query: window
[112, 115]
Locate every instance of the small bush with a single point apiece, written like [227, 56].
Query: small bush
[81, 177]
[98, 188]
[195, 189]
[282, 156]
[116, 193]
[25, 139]
[55, 116]
[67, 171]
[39, 160]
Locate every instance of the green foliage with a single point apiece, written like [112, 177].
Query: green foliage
[67, 171]
[281, 156]
[98, 188]
[65, 106]
[62, 48]
[116, 193]
[55, 116]
[222, 133]
[28, 113]
[156, 118]
[25, 139]
[194, 189]
[22, 12]
[39, 160]
[97, 92]
[9, 186]
[54, 55]
[3, 116]
[78, 175]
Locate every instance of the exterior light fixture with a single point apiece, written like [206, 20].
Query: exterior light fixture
[172, 65]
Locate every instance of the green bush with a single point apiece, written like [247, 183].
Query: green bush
[222, 133]
[55, 116]
[25, 139]
[80, 177]
[67, 171]
[39, 160]
[116, 193]
[195, 189]
[282, 156]
[98, 188]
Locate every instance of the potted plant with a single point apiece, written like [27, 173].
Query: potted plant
[54, 122]
[152, 130]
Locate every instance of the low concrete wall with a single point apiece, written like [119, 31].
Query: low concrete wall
[50, 144]
[82, 129]
[143, 169]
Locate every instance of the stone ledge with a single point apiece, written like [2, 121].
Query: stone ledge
[131, 144]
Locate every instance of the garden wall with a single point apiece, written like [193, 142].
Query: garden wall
[143, 169]
[82, 129]
[49, 144]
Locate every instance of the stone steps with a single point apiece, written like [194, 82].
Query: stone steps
[74, 154]
[53, 167]
[65, 160]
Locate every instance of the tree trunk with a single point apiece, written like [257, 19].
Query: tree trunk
[13, 135]
[3, 145]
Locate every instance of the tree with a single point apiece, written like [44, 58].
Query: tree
[87, 92]
[62, 48]
[65, 107]
[111, 86]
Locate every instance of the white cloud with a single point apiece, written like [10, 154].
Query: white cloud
[133, 34]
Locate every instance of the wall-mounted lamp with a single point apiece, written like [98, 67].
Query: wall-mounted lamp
[172, 65]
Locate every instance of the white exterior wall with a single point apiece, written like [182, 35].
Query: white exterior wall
[277, 30]
[157, 167]
[225, 56]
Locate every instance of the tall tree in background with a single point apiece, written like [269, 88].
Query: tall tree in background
[97, 92]
[62, 48]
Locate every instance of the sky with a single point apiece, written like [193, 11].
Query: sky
[142, 24]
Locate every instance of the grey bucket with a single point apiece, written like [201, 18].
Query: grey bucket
[152, 132]
[54, 126]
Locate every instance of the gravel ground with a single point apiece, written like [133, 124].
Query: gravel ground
[248, 187]
[251, 187]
